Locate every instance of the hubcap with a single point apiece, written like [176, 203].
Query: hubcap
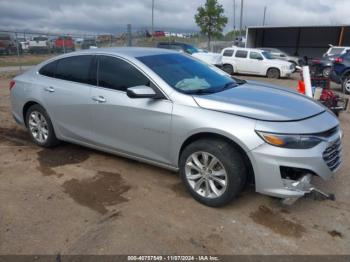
[347, 85]
[206, 175]
[38, 127]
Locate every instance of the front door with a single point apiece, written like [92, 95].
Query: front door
[140, 127]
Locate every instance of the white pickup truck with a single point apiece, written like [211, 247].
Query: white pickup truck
[39, 44]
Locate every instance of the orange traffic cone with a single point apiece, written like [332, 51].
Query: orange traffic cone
[301, 87]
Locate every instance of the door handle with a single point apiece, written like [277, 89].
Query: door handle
[50, 89]
[99, 99]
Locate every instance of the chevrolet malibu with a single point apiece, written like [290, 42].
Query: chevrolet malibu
[171, 110]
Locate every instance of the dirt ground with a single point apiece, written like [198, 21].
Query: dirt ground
[73, 200]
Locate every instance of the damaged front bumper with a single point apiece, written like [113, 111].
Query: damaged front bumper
[288, 173]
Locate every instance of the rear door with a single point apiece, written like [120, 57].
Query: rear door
[242, 62]
[139, 127]
[66, 86]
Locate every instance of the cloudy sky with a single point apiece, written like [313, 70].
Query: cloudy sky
[110, 16]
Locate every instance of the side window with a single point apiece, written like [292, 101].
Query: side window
[228, 52]
[241, 54]
[255, 55]
[76, 69]
[119, 75]
[49, 69]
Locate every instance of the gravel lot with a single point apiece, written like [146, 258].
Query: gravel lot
[73, 200]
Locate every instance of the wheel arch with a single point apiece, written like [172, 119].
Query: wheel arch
[212, 135]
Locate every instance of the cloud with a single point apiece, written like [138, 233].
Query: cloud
[112, 16]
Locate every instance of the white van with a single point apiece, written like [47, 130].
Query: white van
[254, 62]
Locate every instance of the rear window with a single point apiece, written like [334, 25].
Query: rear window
[336, 51]
[241, 54]
[76, 69]
[49, 69]
[228, 53]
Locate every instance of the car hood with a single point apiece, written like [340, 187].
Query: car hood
[210, 58]
[279, 62]
[261, 102]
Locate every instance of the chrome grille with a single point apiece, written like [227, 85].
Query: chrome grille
[333, 155]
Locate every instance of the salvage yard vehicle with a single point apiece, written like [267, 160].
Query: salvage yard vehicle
[8, 44]
[39, 44]
[254, 62]
[279, 54]
[63, 44]
[207, 57]
[341, 72]
[171, 110]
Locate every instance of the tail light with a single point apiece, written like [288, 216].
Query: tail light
[12, 84]
[338, 60]
[316, 61]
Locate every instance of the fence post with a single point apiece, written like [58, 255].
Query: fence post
[129, 35]
[18, 60]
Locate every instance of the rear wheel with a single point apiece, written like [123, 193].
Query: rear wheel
[213, 171]
[40, 127]
[273, 73]
[326, 72]
[346, 84]
[228, 69]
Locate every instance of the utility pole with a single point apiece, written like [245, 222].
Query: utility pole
[241, 19]
[234, 16]
[152, 17]
[264, 18]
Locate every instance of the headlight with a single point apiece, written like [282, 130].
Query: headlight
[290, 141]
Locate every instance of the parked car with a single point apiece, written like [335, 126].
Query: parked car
[24, 43]
[240, 41]
[39, 44]
[254, 62]
[64, 44]
[323, 66]
[158, 33]
[281, 55]
[171, 110]
[87, 43]
[8, 44]
[207, 57]
[341, 72]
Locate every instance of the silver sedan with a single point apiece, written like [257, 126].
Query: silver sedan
[171, 110]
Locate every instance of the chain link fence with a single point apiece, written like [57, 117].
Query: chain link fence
[20, 50]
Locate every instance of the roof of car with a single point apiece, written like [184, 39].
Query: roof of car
[129, 51]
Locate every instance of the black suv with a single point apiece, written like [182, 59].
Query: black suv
[341, 72]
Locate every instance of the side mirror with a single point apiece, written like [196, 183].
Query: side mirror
[142, 92]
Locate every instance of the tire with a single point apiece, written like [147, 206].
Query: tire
[43, 136]
[346, 85]
[228, 69]
[273, 73]
[326, 72]
[229, 167]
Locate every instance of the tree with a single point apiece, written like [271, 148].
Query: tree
[211, 20]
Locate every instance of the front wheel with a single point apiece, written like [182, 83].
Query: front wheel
[213, 171]
[346, 85]
[228, 69]
[273, 73]
[326, 72]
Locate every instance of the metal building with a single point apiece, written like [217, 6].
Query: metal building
[311, 41]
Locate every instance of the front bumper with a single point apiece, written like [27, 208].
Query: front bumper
[268, 162]
[287, 72]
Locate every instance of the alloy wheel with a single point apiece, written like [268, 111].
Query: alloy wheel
[206, 175]
[38, 127]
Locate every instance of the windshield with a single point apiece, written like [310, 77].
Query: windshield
[267, 55]
[188, 75]
[191, 49]
[336, 51]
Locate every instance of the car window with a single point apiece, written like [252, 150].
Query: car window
[336, 51]
[49, 69]
[76, 69]
[255, 55]
[119, 75]
[228, 52]
[241, 54]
